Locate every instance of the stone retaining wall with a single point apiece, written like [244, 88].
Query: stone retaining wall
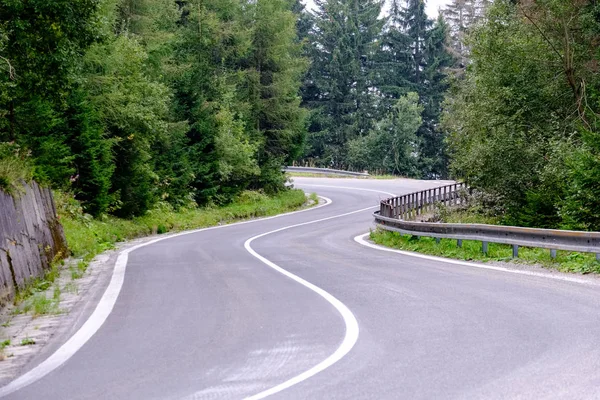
[31, 236]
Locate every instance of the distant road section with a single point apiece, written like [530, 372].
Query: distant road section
[325, 171]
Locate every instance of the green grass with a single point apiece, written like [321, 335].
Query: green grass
[40, 304]
[88, 237]
[38, 285]
[471, 251]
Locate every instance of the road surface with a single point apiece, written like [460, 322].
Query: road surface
[200, 316]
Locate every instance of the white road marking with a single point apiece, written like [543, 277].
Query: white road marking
[348, 187]
[361, 240]
[103, 310]
[350, 321]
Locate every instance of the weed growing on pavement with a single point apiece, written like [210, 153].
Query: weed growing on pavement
[27, 341]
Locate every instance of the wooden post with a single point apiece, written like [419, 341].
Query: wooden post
[455, 197]
[402, 207]
[444, 199]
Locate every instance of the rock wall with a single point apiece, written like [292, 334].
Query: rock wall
[31, 236]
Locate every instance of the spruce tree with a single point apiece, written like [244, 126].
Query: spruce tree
[395, 58]
[461, 16]
[341, 78]
[433, 88]
[274, 76]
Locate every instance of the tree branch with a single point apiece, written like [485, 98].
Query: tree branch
[11, 70]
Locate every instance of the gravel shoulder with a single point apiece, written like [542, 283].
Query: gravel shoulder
[29, 339]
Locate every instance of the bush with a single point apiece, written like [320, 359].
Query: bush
[15, 167]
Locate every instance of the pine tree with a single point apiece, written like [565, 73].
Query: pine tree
[212, 43]
[416, 25]
[43, 105]
[425, 61]
[341, 79]
[395, 58]
[432, 90]
[461, 16]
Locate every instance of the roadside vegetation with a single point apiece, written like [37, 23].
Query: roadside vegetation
[471, 251]
[88, 236]
[522, 121]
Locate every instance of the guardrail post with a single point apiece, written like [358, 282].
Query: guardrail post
[438, 240]
[515, 251]
[553, 253]
[597, 256]
[484, 247]
[459, 243]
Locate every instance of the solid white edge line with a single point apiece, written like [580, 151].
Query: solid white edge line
[105, 307]
[361, 240]
[352, 330]
[348, 187]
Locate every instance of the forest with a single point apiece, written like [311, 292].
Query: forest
[128, 104]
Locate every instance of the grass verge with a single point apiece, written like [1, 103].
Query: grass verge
[88, 237]
[471, 251]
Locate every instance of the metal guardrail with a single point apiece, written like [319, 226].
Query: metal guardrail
[392, 211]
[327, 171]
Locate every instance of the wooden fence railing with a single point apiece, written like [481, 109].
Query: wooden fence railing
[411, 205]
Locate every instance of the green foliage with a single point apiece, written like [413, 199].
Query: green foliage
[27, 341]
[15, 167]
[391, 146]
[521, 127]
[131, 103]
[41, 42]
[87, 236]
[338, 86]
[582, 205]
[362, 64]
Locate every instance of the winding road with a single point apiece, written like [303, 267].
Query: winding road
[293, 307]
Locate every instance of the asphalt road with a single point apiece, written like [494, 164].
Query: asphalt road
[199, 317]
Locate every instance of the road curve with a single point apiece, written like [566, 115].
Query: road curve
[200, 317]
